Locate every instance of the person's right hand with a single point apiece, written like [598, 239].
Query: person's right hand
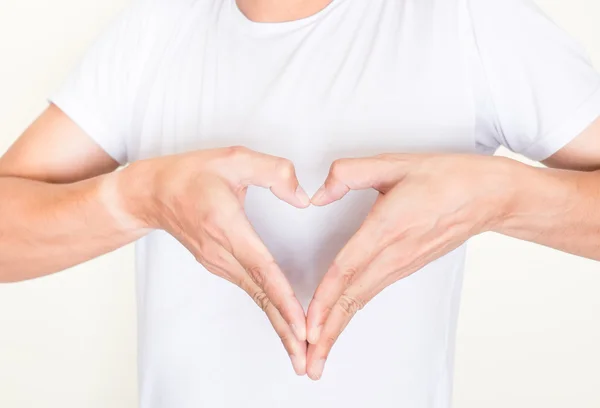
[199, 197]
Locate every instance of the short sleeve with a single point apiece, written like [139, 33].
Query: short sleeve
[543, 90]
[98, 94]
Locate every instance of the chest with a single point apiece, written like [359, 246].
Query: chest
[368, 79]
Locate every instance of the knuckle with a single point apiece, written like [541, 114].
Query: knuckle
[336, 167]
[258, 273]
[346, 274]
[349, 275]
[204, 248]
[203, 251]
[262, 300]
[350, 305]
[211, 266]
[236, 151]
[212, 229]
[212, 261]
[199, 257]
[210, 219]
[285, 169]
[216, 262]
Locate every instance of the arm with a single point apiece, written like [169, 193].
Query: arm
[50, 227]
[559, 207]
[431, 204]
[60, 207]
[56, 204]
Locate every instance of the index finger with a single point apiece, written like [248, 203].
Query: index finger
[368, 242]
[247, 247]
[373, 280]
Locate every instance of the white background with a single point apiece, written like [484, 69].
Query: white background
[529, 330]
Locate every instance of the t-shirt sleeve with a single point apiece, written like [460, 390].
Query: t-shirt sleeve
[98, 94]
[543, 89]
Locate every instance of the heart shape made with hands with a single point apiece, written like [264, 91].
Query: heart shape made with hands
[427, 206]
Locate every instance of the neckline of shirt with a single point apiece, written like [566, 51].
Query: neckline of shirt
[266, 28]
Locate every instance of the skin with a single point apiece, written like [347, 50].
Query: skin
[431, 204]
[67, 206]
[56, 222]
[276, 11]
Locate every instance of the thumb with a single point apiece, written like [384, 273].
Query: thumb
[379, 172]
[277, 174]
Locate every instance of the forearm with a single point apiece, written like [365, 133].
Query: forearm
[45, 228]
[556, 208]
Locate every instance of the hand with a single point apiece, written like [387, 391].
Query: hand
[199, 199]
[428, 206]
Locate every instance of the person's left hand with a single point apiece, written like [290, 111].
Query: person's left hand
[428, 206]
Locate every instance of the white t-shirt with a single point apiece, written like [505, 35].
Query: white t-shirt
[357, 78]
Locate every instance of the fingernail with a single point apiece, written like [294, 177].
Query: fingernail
[314, 334]
[318, 368]
[319, 195]
[302, 196]
[299, 364]
[299, 332]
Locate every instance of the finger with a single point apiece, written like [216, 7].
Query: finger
[341, 313]
[394, 263]
[219, 261]
[295, 348]
[372, 238]
[367, 286]
[379, 274]
[252, 254]
[378, 172]
[271, 172]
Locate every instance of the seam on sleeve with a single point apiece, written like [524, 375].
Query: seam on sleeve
[573, 126]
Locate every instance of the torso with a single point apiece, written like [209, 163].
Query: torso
[357, 78]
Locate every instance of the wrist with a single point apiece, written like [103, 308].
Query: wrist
[502, 189]
[529, 191]
[128, 196]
